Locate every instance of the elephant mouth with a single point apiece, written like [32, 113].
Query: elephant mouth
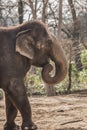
[41, 64]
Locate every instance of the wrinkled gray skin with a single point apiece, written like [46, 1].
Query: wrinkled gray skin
[21, 46]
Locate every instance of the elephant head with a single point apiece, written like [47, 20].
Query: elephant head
[39, 45]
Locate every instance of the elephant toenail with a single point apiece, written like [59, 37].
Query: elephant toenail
[26, 128]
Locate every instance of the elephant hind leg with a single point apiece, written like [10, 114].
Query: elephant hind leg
[11, 113]
[17, 94]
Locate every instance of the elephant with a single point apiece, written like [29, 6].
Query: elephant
[21, 46]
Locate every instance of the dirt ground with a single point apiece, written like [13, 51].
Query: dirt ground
[63, 112]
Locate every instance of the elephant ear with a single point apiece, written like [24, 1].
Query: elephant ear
[24, 44]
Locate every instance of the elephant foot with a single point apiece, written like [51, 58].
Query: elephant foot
[11, 127]
[29, 127]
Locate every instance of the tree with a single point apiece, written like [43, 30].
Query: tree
[76, 34]
[45, 2]
[50, 88]
[20, 11]
[0, 13]
[60, 21]
[33, 7]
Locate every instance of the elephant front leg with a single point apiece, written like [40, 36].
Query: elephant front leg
[11, 113]
[17, 93]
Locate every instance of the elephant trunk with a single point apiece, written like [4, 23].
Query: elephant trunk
[58, 57]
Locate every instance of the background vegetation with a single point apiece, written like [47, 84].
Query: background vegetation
[67, 19]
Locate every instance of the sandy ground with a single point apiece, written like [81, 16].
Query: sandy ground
[63, 112]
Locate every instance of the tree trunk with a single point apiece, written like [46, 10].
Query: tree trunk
[60, 20]
[50, 90]
[70, 70]
[20, 11]
[1, 14]
[33, 8]
[0, 10]
[44, 10]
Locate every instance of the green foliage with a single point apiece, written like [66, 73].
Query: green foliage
[79, 78]
[84, 58]
[62, 86]
[34, 83]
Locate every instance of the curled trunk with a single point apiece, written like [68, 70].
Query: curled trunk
[58, 56]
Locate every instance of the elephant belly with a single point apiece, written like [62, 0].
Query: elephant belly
[7, 73]
[10, 67]
[10, 71]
